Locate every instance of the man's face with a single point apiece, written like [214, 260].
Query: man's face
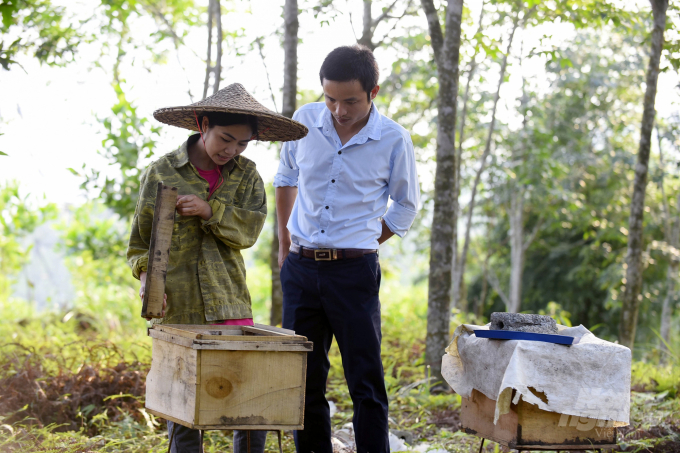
[347, 101]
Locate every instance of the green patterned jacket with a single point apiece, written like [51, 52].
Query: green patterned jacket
[206, 279]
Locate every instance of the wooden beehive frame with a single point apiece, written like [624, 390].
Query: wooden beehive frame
[159, 251]
[184, 355]
[231, 338]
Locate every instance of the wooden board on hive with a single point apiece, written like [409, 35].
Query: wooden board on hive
[526, 427]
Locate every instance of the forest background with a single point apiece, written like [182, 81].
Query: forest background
[526, 118]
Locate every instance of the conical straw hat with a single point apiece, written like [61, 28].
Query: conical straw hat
[235, 99]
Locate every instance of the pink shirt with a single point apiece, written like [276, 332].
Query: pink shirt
[212, 176]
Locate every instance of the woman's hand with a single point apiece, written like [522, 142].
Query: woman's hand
[142, 280]
[191, 205]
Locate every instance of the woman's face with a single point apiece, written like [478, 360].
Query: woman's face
[223, 143]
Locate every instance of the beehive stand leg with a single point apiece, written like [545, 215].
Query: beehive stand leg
[481, 445]
[172, 436]
[201, 441]
[248, 439]
[278, 433]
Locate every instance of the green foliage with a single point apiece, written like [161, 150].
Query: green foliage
[92, 230]
[19, 216]
[129, 139]
[575, 164]
[657, 378]
[37, 28]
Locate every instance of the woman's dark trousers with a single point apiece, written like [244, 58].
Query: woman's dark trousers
[187, 440]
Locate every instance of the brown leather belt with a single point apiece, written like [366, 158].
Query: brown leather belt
[329, 254]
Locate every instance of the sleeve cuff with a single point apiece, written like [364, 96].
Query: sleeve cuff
[140, 266]
[218, 212]
[286, 177]
[399, 219]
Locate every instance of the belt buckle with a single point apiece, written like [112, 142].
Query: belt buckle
[322, 255]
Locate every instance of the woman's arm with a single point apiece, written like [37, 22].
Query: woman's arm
[239, 227]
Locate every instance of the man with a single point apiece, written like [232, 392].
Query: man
[350, 163]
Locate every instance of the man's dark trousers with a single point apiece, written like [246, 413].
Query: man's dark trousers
[326, 298]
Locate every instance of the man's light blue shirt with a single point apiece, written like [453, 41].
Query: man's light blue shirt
[344, 189]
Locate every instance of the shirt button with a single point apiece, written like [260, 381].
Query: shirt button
[333, 181]
[339, 152]
[323, 231]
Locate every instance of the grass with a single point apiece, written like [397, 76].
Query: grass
[73, 380]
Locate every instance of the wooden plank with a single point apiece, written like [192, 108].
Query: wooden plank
[528, 427]
[282, 346]
[251, 427]
[197, 404]
[260, 329]
[539, 427]
[265, 332]
[251, 338]
[159, 251]
[171, 382]
[241, 388]
[209, 329]
[222, 427]
[175, 331]
[223, 335]
[275, 329]
[171, 338]
[476, 416]
[171, 418]
[303, 378]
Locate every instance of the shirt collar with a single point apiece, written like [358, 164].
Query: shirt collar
[180, 157]
[371, 130]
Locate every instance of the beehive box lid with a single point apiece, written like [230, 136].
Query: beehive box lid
[231, 338]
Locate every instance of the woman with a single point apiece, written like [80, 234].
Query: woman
[221, 209]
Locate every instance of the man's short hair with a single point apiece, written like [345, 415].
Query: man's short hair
[349, 63]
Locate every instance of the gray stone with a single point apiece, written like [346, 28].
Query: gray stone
[521, 322]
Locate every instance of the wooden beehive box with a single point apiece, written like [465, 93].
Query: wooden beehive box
[526, 427]
[228, 377]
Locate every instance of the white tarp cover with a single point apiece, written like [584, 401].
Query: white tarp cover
[589, 379]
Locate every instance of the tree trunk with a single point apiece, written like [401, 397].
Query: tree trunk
[446, 50]
[666, 312]
[672, 236]
[462, 262]
[290, 42]
[208, 61]
[367, 28]
[481, 303]
[220, 37]
[369, 24]
[458, 277]
[631, 295]
[516, 217]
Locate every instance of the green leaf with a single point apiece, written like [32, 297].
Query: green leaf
[3, 154]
